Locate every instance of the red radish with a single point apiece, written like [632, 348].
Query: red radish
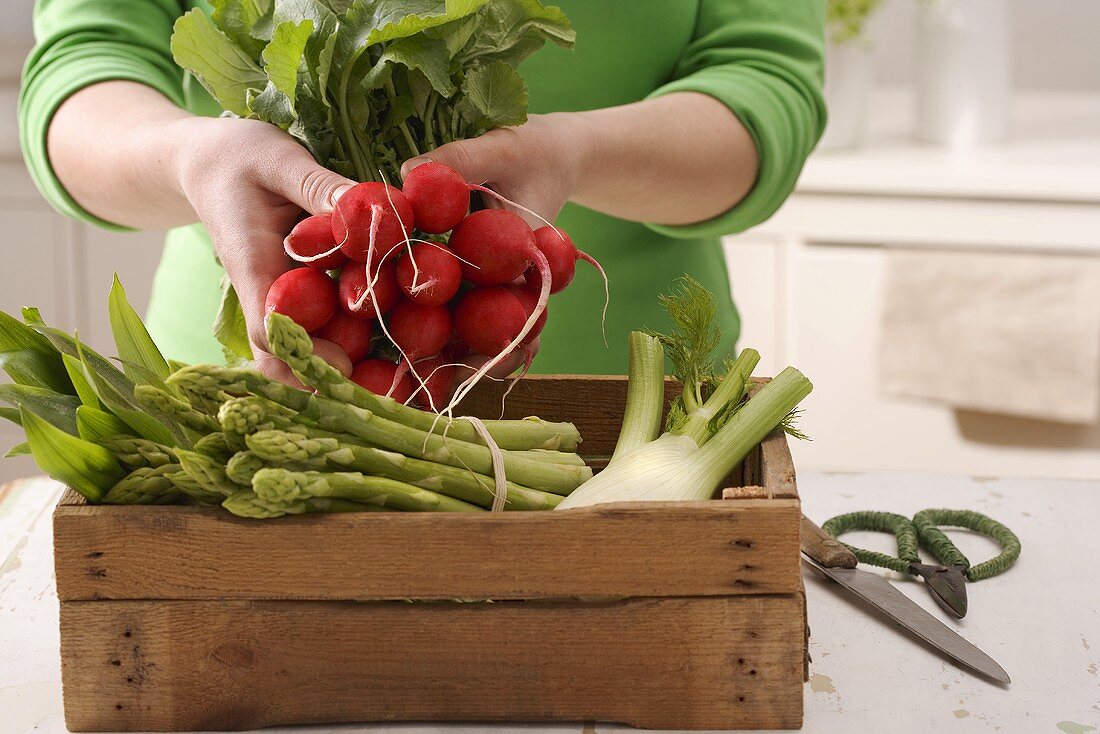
[381, 378]
[435, 269]
[499, 247]
[561, 255]
[311, 242]
[306, 295]
[438, 376]
[440, 197]
[497, 244]
[350, 333]
[419, 331]
[530, 299]
[455, 350]
[489, 318]
[371, 216]
[502, 246]
[355, 298]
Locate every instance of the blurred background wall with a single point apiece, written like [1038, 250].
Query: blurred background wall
[1054, 43]
[813, 283]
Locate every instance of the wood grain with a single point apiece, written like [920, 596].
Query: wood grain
[631, 549]
[767, 473]
[824, 548]
[776, 468]
[670, 663]
[186, 618]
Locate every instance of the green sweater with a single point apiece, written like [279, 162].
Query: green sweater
[762, 58]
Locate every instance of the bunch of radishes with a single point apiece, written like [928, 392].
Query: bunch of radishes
[414, 268]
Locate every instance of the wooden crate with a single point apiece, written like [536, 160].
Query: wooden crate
[660, 615]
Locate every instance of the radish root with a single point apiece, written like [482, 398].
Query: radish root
[544, 296]
[306, 258]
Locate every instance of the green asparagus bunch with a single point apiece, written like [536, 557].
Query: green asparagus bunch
[328, 454]
[151, 432]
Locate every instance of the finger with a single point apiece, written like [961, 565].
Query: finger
[252, 267]
[333, 354]
[301, 180]
[540, 207]
[274, 368]
[480, 160]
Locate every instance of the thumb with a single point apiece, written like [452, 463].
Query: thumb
[312, 187]
[477, 159]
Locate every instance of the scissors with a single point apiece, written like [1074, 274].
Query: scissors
[946, 580]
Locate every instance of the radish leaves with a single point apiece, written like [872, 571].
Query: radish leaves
[365, 84]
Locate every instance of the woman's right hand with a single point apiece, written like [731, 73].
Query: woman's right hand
[249, 182]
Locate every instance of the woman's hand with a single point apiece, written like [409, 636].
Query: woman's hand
[248, 182]
[130, 156]
[537, 165]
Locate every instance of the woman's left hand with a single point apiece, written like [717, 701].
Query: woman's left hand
[537, 165]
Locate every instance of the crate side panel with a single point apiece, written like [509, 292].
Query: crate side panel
[630, 549]
[671, 663]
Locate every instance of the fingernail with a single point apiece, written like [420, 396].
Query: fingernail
[340, 191]
[413, 163]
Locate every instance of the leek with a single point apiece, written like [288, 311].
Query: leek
[711, 425]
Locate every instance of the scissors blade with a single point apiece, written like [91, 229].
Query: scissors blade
[881, 594]
[947, 586]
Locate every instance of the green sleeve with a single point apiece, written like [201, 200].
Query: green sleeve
[763, 59]
[81, 42]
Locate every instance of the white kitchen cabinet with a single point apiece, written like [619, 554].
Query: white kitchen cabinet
[809, 283]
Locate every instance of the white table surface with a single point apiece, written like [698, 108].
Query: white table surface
[1040, 621]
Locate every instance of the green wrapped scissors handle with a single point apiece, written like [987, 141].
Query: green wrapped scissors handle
[928, 523]
[946, 582]
[924, 531]
[881, 522]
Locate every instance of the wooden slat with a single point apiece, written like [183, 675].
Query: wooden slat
[72, 498]
[777, 467]
[671, 663]
[629, 549]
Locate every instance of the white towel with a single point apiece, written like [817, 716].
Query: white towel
[999, 332]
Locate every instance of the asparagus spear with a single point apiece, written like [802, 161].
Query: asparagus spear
[201, 397]
[155, 399]
[194, 491]
[207, 473]
[145, 485]
[290, 343]
[214, 445]
[246, 415]
[276, 485]
[336, 417]
[322, 454]
[242, 466]
[249, 414]
[245, 503]
[550, 457]
[138, 452]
